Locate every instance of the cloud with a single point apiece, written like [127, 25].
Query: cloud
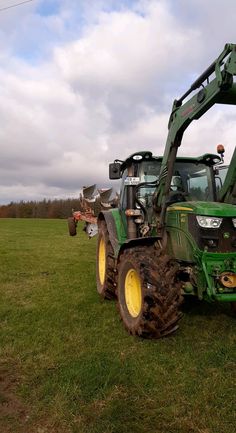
[94, 84]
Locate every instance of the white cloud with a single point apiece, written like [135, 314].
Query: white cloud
[102, 94]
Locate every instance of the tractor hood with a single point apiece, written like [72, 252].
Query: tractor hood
[205, 208]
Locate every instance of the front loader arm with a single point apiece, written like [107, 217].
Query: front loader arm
[228, 190]
[221, 89]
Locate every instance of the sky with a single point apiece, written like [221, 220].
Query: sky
[85, 82]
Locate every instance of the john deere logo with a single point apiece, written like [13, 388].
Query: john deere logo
[226, 235]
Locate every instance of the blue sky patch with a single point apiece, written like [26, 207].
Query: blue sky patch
[47, 8]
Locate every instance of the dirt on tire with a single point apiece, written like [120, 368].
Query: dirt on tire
[106, 289]
[161, 293]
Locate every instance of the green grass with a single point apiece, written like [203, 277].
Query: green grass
[68, 366]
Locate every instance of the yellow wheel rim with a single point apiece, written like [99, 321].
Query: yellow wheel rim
[133, 292]
[102, 260]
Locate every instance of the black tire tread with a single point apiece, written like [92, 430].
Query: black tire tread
[161, 294]
[108, 289]
[71, 226]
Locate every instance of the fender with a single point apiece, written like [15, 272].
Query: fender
[115, 228]
[131, 243]
[117, 233]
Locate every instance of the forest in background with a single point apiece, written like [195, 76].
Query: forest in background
[58, 208]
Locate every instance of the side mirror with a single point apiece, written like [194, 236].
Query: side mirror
[114, 170]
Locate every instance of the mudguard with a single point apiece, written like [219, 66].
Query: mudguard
[115, 228]
[117, 232]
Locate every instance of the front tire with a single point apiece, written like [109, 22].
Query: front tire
[105, 264]
[148, 295]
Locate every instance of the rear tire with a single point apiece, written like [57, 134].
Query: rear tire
[149, 297]
[105, 264]
[71, 226]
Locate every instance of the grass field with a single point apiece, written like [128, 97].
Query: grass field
[68, 366]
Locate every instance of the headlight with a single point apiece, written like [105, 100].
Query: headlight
[234, 222]
[209, 222]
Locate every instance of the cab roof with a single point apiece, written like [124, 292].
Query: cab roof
[137, 157]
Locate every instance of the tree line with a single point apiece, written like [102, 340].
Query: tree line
[58, 208]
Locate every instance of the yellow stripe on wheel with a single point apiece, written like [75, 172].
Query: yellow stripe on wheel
[133, 293]
[102, 260]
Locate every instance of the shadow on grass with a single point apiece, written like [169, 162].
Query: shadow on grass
[195, 307]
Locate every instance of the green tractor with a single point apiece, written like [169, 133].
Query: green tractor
[174, 230]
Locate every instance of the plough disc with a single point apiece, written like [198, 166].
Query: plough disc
[92, 202]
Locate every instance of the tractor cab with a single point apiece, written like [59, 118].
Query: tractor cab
[193, 180]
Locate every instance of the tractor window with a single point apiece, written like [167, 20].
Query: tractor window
[222, 172]
[220, 176]
[148, 172]
[194, 180]
[198, 186]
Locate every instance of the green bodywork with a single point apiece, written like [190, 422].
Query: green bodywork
[213, 209]
[207, 266]
[120, 230]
